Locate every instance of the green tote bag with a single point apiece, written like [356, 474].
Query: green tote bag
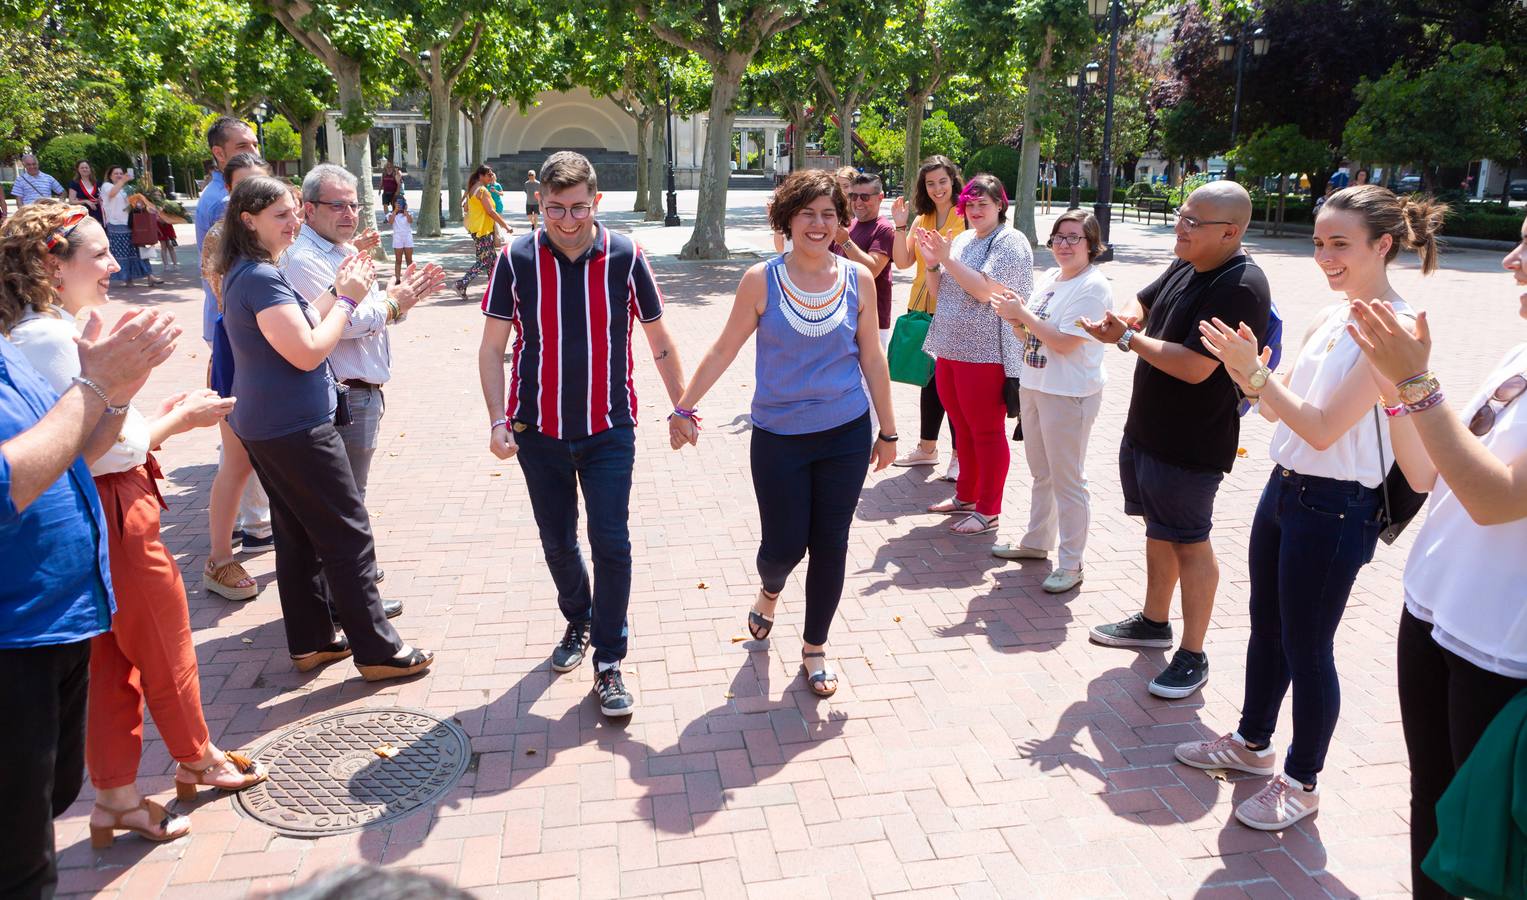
[908, 363]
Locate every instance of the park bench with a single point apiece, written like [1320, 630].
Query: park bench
[1146, 203]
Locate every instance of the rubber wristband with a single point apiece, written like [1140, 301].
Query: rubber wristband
[347, 301]
[499, 421]
[684, 413]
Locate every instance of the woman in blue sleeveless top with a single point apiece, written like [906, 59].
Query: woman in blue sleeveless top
[811, 421]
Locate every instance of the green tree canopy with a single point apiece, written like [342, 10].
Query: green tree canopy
[1461, 109]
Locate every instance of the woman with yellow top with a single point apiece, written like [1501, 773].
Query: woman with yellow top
[938, 183]
[481, 219]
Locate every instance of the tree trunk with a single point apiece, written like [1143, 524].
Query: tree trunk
[453, 178]
[1283, 196]
[347, 77]
[1028, 165]
[643, 122]
[657, 159]
[911, 152]
[478, 138]
[799, 122]
[708, 240]
[846, 133]
[147, 175]
[434, 169]
[309, 133]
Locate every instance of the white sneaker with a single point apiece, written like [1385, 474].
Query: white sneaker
[1282, 803]
[953, 472]
[1062, 580]
[918, 457]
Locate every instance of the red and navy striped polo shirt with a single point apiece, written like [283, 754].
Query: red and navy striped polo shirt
[570, 373]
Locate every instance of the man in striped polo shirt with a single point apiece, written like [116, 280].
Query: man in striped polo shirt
[570, 294]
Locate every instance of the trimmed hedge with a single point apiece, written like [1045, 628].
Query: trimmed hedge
[999, 160]
[1487, 221]
[59, 156]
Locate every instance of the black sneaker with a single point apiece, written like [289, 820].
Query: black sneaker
[614, 699]
[1185, 674]
[253, 543]
[569, 653]
[1133, 632]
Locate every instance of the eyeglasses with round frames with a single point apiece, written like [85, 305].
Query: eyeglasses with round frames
[579, 212]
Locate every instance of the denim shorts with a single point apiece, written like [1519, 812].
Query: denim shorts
[1176, 502]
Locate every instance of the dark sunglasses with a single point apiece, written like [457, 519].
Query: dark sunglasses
[862, 197]
[1484, 420]
[61, 234]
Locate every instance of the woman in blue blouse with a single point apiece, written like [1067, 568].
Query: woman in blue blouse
[811, 422]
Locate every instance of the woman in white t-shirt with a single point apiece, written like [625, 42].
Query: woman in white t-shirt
[1463, 634]
[1319, 518]
[1061, 392]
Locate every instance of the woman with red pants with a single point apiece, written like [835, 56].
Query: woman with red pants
[975, 349]
[62, 264]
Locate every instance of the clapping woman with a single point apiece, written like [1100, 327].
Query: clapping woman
[1318, 520]
[975, 348]
[58, 264]
[811, 421]
[1463, 634]
[325, 555]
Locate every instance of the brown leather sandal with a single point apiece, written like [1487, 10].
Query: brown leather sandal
[186, 787]
[101, 836]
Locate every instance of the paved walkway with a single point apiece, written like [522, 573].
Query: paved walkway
[979, 746]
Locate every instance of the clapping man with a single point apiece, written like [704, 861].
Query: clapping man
[362, 362]
[1184, 426]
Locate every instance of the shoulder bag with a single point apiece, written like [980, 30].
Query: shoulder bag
[1402, 503]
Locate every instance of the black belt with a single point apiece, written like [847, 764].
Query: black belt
[361, 385]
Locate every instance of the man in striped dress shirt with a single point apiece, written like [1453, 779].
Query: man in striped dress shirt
[570, 294]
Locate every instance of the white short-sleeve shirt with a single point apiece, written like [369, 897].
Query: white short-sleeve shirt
[1470, 580]
[1079, 373]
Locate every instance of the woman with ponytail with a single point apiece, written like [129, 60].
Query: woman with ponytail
[1318, 521]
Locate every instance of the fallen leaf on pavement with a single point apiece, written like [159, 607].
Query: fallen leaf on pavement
[385, 751]
[703, 586]
[1218, 775]
[247, 640]
[737, 638]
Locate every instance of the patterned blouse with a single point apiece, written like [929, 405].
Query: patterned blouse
[966, 330]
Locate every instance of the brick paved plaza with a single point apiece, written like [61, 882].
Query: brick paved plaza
[979, 745]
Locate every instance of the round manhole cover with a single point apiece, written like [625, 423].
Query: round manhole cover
[338, 772]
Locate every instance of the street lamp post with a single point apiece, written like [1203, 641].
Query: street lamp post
[262, 114]
[1233, 47]
[672, 218]
[1103, 208]
[856, 118]
[1080, 82]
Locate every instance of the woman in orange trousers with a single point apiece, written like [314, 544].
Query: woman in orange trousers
[148, 655]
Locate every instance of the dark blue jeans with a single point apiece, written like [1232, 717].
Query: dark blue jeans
[601, 465]
[1309, 538]
[808, 488]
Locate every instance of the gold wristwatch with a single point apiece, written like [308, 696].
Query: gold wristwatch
[1420, 389]
[1258, 379]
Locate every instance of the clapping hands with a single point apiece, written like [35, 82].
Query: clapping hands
[418, 282]
[933, 245]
